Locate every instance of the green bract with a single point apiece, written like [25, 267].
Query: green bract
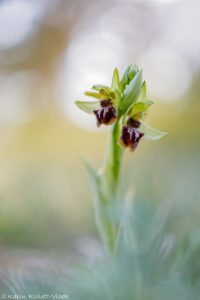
[131, 93]
[129, 73]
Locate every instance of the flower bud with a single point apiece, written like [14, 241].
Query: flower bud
[105, 115]
[130, 137]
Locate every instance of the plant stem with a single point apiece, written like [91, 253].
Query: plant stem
[112, 167]
[116, 153]
[109, 189]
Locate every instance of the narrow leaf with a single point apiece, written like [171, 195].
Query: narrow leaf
[102, 214]
[151, 133]
[88, 106]
[92, 172]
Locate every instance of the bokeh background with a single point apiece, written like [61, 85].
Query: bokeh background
[50, 53]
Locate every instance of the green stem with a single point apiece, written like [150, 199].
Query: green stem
[109, 190]
[113, 163]
[115, 153]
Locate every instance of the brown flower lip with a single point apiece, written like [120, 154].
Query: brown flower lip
[105, 115]
[130, 137]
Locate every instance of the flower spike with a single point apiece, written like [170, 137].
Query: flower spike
[124, 100]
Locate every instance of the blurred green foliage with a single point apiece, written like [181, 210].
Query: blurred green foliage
[45, 190]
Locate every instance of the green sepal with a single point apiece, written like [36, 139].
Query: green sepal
[88, 106]
[139, 107]
[151, 133]
[96, 95]
[102, 89]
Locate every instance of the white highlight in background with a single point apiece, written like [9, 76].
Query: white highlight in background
[167, 73]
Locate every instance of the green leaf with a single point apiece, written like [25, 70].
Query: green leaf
[92, 172]
[131, 93]
[139, 107]
[103, 218]
[115, 80]
[88, 106]
[151, 133]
